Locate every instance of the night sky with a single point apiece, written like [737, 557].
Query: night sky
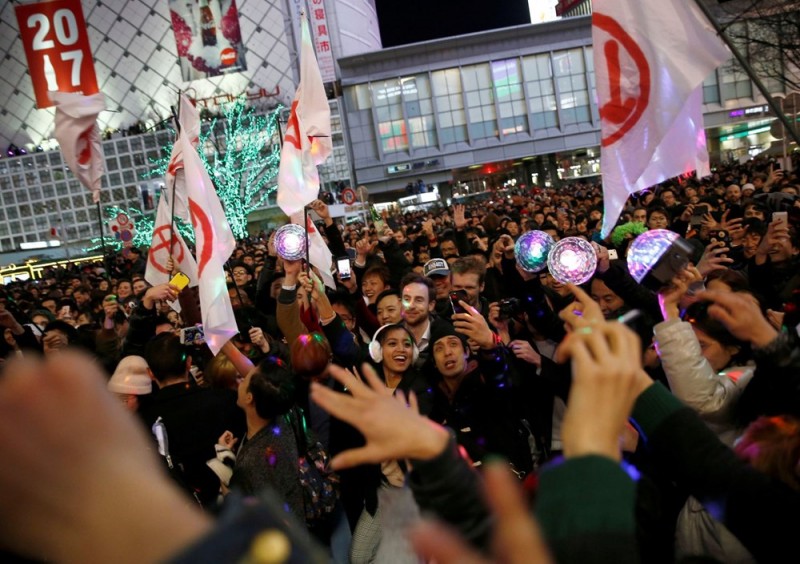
[411, 21]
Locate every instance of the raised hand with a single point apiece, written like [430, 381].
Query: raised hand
[258, 338]
[669, 298]
[392, 429]
[713, 258]
[459, 217]
[741, 316]
[523, 350]
[582, 312]
[474, 326]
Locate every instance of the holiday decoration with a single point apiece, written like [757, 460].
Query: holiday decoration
[290, 242]
[572, 260]
[532, 249]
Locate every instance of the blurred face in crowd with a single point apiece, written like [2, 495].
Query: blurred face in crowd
[782, 250]
[442, 285]
[347, 317]
[750, 244]
[718, 355]
[513, 228]
[468, 282]
[668, 198]
[550, 282]
[450, 356]
[416, 304]
[397, 350]
[753, 210]
[124, 290]
[657, 221]
[733, 194]
[372, 286]
[640, 215]
[81, 298]
[275, 288]
[609, 302]
[390, 310]
[103, 285]
[399, 236]
[240, 276]
[50, 305]
[139, 286]
[449, 249]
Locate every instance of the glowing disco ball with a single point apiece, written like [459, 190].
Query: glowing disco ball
[290, 242]
[531, 249]
[573, 260]
[646, 250]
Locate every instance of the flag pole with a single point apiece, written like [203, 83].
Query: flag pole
[305, 226]
[172, 198]
[742, 60]
[102, 239]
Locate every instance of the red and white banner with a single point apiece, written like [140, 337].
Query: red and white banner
[650, 60]
[78, 136]
[307, 142]
[57, 48]
[166, 243]
[215, 241]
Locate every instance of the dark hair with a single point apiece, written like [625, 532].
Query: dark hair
[658, 209]
[732, 278]
[386, 293]
[63, 327]
[272, 387]
[380, 271]
[697, 315]
[166, 356]
[414, 278]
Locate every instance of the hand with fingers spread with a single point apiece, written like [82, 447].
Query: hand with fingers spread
[459, 217]
[392, 428]
[741, 316]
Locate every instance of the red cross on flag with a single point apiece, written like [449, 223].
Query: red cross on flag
[79, 137]
[164, 244]
[215, 241]
[650, 60]
[307, 142]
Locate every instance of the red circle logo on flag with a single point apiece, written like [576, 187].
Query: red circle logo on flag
[228, 57]
[349, 196]
[623, 99]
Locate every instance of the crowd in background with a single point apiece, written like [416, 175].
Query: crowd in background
[436, 312]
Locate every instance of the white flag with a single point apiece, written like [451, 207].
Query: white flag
[215, 242]
[307, 142]
[319, 254]
[79, 137]
[164, 238]
[651, 57]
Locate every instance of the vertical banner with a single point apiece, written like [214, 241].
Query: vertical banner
[318, 20]
[57, 48]
[318, 24]
[208, 37]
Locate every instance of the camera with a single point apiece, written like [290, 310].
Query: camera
[509, 308]
[457, 296]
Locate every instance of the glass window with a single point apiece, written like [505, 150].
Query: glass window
[573, 92]
[711, 89]
[477, 80]
[125, 161]
[510, 96]
[541, 91]
[419, 110]
[111, 163]
[735, 82]
[389, 114]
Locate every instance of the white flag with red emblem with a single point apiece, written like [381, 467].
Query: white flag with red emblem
[650, 60]
[319, 255]
[307, 142]
[163, 239]
[214, 238]
[78, 136]
[176, 180]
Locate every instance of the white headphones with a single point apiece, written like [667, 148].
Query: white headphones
[376, 350]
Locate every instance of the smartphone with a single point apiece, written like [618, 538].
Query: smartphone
[192, 335]
[780, 216]
[700, 210]
[180, 281]
[343, 266]
[612, 254]
[457, 296]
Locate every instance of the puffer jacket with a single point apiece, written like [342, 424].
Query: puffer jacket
[692, 380]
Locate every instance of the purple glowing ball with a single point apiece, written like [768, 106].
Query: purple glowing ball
[532, 249]
[646, 249]
[290, 242]
[573, 260]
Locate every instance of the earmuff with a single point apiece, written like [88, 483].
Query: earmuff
[376, 350]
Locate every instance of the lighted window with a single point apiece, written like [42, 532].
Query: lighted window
[538, 73]
[573, 92]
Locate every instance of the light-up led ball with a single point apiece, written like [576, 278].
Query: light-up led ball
[290, 242]
[531, 249]
[573, 260]
[647, 249]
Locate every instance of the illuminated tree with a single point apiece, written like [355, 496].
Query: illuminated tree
[241, 154]
[142, 234]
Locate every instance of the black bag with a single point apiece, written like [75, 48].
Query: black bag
[319, 483]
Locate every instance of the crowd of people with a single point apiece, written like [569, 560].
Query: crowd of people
[438, 378]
